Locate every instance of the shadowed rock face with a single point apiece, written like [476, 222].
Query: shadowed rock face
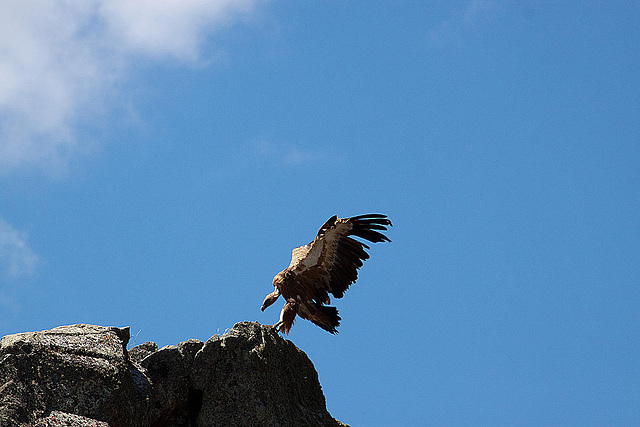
[83, 375]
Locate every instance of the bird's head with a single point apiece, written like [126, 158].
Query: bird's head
[270, 299]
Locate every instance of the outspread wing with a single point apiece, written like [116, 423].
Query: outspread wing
[330, 263]
[298, 254]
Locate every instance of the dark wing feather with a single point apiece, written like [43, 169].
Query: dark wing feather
[328, 265]
[327, 225]
[351, 253]
[343, 255]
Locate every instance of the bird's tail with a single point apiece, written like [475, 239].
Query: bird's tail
[326, 317]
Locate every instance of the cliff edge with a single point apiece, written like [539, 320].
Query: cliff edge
[83, 375]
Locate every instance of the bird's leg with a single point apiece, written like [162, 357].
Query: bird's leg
[287, 315]
[278, 326]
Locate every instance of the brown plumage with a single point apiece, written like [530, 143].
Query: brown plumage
[328, 265]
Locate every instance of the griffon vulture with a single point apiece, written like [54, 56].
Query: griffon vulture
[328, 265]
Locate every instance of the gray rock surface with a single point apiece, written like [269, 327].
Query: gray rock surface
[251, 376]
[83, 375]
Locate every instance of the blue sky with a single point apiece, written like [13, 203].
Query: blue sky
[159, 161]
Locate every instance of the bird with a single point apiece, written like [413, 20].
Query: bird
[326, 266]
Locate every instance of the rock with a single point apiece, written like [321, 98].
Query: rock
[169, 370]
[81, 369]
[57, 418]
[139, 352]
[252, 376]
[83, 375]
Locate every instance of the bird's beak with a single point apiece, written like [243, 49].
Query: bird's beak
[270, 299]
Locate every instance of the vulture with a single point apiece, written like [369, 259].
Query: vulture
[326, 266]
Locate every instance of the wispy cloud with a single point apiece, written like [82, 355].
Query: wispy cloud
[295, 155]
[298, 155]
[60, 62]
[453, 29]
[477, 9]
[17, 259]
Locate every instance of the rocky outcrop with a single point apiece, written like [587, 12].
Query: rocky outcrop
[83, 375]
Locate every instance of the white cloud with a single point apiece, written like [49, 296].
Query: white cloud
[169, 28]
[17, 259]
[46, 74]
[59, 61]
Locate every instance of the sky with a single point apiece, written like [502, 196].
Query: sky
[159, 160]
